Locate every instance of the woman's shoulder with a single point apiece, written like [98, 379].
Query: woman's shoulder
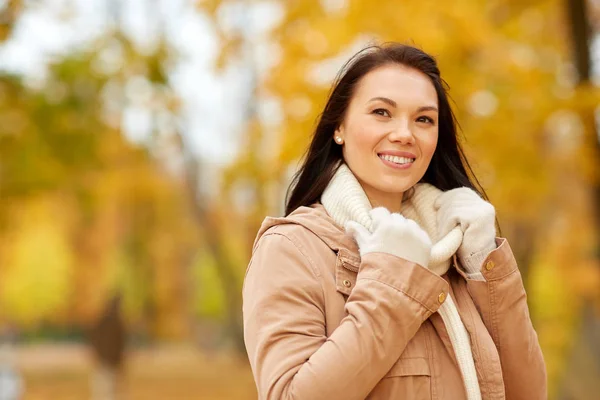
[289, 244]
[288, 257]
[309, 229]
[304, 223]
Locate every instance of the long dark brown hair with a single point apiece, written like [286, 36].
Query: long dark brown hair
[448, 167]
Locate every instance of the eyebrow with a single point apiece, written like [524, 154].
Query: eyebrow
[393, 104]
[427, 108]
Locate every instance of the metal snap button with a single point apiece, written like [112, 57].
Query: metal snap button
[489, 265]
[441, 297]
[347, 283]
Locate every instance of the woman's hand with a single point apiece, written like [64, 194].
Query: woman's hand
[476, 217]
[393, 234]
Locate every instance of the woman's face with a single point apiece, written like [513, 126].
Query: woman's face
[390, 132]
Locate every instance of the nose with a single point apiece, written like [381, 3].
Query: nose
[401, 133]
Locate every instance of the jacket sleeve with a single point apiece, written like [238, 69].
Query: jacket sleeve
[284, 322]
[502, 303]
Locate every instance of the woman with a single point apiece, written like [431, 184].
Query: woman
[385, 279]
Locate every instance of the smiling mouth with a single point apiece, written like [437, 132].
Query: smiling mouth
[396, 159]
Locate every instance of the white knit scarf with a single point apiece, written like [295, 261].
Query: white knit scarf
[345, 200]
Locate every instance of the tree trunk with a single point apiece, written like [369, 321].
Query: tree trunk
[107, 338]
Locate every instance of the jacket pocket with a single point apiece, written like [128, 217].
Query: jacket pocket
[409, 378]
[410, 367]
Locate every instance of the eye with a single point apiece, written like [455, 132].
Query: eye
[381, 111]
[427, 120]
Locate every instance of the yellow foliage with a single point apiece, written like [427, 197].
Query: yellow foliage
[37, 263]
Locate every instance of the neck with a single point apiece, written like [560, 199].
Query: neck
[377, 198]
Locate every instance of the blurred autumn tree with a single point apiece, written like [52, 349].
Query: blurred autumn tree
[88, 215]
[527, 120]
[84, 213]
[8, 15]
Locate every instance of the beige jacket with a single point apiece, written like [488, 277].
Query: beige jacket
[322, 323]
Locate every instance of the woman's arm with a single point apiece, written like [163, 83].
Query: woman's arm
[494, 283]
[502, 302]
[284, 321]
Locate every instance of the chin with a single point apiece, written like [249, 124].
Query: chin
[395, 184]
[392, 187]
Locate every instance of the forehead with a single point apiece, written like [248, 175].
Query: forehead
[397, 82]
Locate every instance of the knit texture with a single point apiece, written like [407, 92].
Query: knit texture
[345, 200]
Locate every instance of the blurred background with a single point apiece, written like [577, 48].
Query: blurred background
[142, 142]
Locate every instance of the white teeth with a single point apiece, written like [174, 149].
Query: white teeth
[396, 159]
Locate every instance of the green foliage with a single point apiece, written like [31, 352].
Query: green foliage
[209, 297]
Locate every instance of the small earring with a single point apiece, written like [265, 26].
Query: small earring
[339, 140]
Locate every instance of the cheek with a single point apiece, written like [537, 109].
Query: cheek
[428, 146]
[363, 135]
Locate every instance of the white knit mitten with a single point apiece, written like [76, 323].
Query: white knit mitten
[393, 234]
[475, 216]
